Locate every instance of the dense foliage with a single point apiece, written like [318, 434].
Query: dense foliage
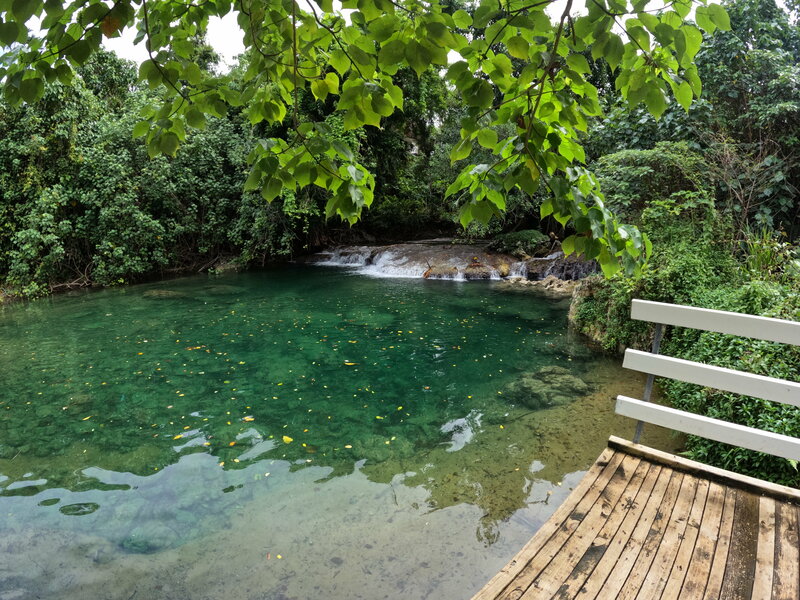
[546, 96]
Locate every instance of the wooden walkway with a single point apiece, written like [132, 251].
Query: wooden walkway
[647, 524]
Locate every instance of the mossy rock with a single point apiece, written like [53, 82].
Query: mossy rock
[547, 387]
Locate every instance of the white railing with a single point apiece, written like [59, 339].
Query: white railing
[739, 382]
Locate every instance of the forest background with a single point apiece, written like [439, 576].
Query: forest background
[715, 187]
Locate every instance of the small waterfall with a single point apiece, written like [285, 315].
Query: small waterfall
[345, 256]
[454, 262]
[389, 263]
[518, 270]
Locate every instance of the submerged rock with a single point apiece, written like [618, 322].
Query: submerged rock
[549, 386]
[550, 285]
[149, 537]
[163, 294]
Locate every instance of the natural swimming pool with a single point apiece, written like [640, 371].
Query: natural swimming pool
[290, 433]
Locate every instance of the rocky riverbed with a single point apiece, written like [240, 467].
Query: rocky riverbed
[459, 262]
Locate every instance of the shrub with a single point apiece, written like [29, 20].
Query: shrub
[520, 243]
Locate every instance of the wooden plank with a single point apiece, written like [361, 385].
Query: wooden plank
[720, 378]
[605, 511]
[697, 572]
[760, 328]
[644, 509]
[667, 580]
[765, 553]
[786, 585]
[706, 471]
[660, 539]
[713, 429]
[716, 574]
[580, 515]
[741, 566]
[608, 459]
[649, 521]
[611, 539]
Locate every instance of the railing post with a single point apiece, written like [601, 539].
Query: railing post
[648, 386]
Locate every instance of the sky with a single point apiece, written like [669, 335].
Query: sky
[223, 34]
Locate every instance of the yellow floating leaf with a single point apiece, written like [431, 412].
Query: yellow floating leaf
[287, 439]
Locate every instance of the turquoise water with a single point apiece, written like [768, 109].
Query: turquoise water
[290, 433]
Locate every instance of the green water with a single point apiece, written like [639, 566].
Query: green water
[177, 438]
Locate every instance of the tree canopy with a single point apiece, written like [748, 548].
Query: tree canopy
[510, 63]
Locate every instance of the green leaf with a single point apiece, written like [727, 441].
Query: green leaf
[694, 39]
[518, 47]
[253, 180]
[487, 138]
[339, 61]
[461, 151]
[480, 94]
[418, 57]
[79, 51]
[568, 245]
[342, 149]
[655, 100]
[271, 189]
[462, 19]
[24, 9]
[332, 80]
[320, 89]
[613, 51]
[391, 53]
[683, 94]
[703, 19]
[168, 144]
[719, 17]
[578, 62]
[31, 89]
[193, 74]
[465, 215]
[195, 118]
[141, 129]
[8, 33]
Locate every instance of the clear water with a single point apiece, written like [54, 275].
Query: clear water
[291, 433]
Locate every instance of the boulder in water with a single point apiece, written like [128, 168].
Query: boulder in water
[163, 294]
[549, 386]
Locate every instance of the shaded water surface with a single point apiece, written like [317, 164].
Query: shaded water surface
[291, 433]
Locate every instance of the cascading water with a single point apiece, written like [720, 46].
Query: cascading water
[454, 262]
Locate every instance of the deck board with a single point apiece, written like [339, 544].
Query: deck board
[643, 524]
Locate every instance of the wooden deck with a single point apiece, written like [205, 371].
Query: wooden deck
[647, 524]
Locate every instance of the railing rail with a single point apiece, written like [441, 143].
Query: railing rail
[760, 328]
[730, 380]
